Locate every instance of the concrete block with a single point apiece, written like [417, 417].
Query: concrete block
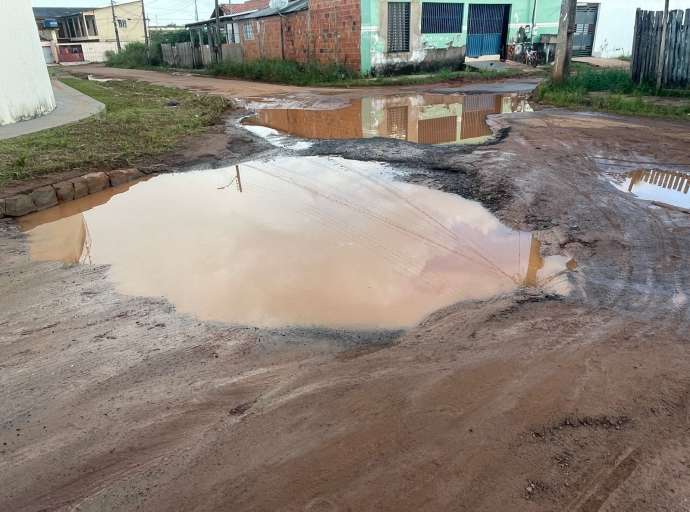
[64, 191]
[97, 181]
[19, 205]
[44, 197]
[81, 187]
[120, 176]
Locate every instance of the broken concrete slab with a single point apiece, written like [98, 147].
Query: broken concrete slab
[44, 197]
[97, 181]
[81, 187]
[120, 176]
[19, 205]
[64, 191]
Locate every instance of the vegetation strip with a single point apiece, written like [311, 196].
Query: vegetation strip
[612, 90]
[140, 121]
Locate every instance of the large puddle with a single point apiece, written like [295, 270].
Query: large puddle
[419, 118]
[670, 187]
[294, 241]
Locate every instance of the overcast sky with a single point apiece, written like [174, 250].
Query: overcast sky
[159, 12]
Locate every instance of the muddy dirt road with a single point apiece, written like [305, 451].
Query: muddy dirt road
[527, 401]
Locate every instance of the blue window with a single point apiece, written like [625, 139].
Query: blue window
[441, 18]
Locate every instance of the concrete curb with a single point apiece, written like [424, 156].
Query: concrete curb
[47, 196]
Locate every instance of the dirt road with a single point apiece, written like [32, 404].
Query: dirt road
[527, 402]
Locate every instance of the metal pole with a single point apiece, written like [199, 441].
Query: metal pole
[662, 48]
[117, 32]
[566, 27]
[196, 12]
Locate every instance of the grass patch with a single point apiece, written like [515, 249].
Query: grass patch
[611, 90]
[138, 123]
[282, 71]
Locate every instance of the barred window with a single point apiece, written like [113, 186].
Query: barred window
[398, 26]
[441, 18]
[248, 32]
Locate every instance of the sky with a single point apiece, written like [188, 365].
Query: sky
[159, 12]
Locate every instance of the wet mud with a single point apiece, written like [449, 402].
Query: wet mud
[527, 400]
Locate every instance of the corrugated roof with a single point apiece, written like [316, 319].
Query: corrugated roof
[294, 6]
[56, 12]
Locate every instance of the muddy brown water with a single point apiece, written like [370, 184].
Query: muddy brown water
[310, 241]
[419, 118]
[669, 187]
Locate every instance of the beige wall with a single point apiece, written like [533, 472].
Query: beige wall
[129, 12]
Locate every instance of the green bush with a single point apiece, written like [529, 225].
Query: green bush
[132, 56]
[283, 71]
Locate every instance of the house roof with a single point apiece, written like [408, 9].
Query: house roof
[57, 12]
[293, 6]
[249, 5]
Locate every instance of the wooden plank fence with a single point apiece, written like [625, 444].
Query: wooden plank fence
[647, 42]
[181, 55]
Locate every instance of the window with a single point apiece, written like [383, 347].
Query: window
[398, 26]
[121, 23]
[248, 32]
[441, 18]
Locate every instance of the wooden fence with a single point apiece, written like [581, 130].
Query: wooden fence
[647, 42]
[181, 55]
[186, 55]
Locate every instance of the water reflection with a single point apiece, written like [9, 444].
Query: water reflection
[670, 187]
[420, 118]
[307, 241]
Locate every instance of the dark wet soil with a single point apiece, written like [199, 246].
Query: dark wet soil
[524, 402]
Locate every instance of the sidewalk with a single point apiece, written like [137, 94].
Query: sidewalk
[72, 106]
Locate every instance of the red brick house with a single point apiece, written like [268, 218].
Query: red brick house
[325, 31]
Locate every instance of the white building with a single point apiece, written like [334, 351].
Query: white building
[25, 89]
[606, 28]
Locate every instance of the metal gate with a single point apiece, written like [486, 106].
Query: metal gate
[585, 24]
[486, 29]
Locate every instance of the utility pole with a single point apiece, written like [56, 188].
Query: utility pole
[219, 47]
[146, 32]
[117, 32]
[196, 12]
[564, 47]
[662, 48]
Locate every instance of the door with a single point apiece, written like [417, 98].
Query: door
[487, 29]
[585, 24]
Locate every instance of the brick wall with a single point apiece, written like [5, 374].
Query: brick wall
[328, 32]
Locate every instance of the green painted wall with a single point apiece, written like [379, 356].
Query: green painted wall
[374, 29]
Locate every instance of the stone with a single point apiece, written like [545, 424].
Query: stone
[44, 197]
[120, 176]
[19, 205]
[81, 187]
[97, 181]
[64, 191]
[155, 169]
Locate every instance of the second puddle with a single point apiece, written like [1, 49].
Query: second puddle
[419, 118]
[294, 241]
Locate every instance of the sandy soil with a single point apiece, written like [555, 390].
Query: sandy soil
[526, 402]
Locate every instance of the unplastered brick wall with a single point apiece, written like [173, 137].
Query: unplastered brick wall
[335, 29]
[264, 40]
[328, 32]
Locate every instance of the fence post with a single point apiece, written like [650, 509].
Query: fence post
[662, 48]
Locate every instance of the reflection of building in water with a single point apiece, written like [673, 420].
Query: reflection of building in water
[425, 119]
[61, 233]
[670, 180]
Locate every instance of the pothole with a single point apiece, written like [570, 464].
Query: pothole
[308, 241]
[419, 118]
